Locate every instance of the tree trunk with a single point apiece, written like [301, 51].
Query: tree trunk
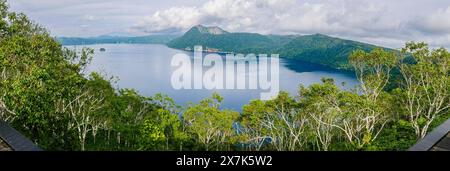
[82, 145]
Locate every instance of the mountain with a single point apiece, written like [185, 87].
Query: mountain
[316, 48]
[210, 30]
[108, 39]
[214, 37]
[322, 49]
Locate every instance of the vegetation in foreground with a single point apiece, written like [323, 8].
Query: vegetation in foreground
[45, 95]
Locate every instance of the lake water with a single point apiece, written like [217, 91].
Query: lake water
[146, 68]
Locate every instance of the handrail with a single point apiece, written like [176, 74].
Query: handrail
[15, 139]
[432, 138]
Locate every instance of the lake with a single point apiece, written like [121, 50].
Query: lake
[146, 68]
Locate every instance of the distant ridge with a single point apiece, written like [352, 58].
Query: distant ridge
[315, 48]
[108, 39]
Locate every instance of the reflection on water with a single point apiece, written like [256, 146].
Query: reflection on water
[147, 69]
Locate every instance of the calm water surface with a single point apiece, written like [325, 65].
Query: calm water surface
[146, 68]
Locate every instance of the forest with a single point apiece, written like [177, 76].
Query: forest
[46, 95]
[107, 39]
[316, 48]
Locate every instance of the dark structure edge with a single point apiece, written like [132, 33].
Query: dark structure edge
[15, 139]
[432, 138]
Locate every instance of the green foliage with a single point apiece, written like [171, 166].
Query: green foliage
[212, 127]
[152, 135]
[426, 85]
[45, 94]
[272, 125]
[319, 102]
[34, 75]
[322, 49]
[166, 131]
[397, 136]
[230, 42]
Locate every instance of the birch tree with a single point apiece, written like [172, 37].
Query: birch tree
[212, 127]
[319, 103]
[426, 85]
[253, 133]
[81, 111]
[368, 114]
[285, 129]
[167, 122]
[6, 114]
[277, 124]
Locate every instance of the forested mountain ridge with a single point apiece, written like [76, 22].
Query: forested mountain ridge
[316, 48]
[322, 49]
[150, 39]
[235, 42]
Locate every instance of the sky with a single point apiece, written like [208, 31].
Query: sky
[381, 22]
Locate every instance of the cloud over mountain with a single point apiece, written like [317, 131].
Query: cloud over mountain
[382, 22]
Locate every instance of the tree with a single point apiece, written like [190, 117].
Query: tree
[251, 129]
[373, 70]
[167, 122]
[212, 127]
[368, 113]
[35, 73]
[286, 124]
[321, 104]
[130, 111]
[277, 123]
[426, 85]
[152, 135]
[81, 111]
[6, 114]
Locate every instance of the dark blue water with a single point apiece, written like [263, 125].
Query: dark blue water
[147, 69]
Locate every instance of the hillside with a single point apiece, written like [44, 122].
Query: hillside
[322, 49]
[152, 39]
[317, 48]
[235, 42]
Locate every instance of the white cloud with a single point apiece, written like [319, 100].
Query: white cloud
[88, 18]
[370, 21]
[382, 22]
[277, 16]
[437, 23]
[173, 18]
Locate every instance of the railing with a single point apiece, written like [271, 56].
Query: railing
[15, 140]
[433, 138]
